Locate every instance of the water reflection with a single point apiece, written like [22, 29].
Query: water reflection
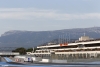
[4, 64]
[56, 66]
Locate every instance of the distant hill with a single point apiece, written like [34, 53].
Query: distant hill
[35, 38]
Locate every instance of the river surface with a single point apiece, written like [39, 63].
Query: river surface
[92, 64]
[51, 66]
[79, 64]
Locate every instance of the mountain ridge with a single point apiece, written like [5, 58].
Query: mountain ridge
[34, 38]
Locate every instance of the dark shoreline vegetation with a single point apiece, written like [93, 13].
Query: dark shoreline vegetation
[23, 50]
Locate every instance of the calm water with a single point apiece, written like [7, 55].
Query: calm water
[51, 66]
[4, 64]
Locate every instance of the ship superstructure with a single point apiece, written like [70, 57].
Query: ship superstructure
[84, 48]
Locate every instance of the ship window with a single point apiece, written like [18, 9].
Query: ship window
[80, 45]
[92, 45]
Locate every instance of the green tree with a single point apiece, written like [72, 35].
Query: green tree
[21, 50]
[29, 50]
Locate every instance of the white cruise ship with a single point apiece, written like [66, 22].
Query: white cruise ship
[84, 48]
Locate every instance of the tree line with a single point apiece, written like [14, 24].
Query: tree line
[23, 50]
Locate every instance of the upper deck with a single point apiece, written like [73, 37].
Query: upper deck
[78, 42]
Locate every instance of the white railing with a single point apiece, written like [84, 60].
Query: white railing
[9, 53]
[78, 52]
[70, 44]
[39, 53]
[70, 48]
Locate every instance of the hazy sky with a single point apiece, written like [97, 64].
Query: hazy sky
[44, 15]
